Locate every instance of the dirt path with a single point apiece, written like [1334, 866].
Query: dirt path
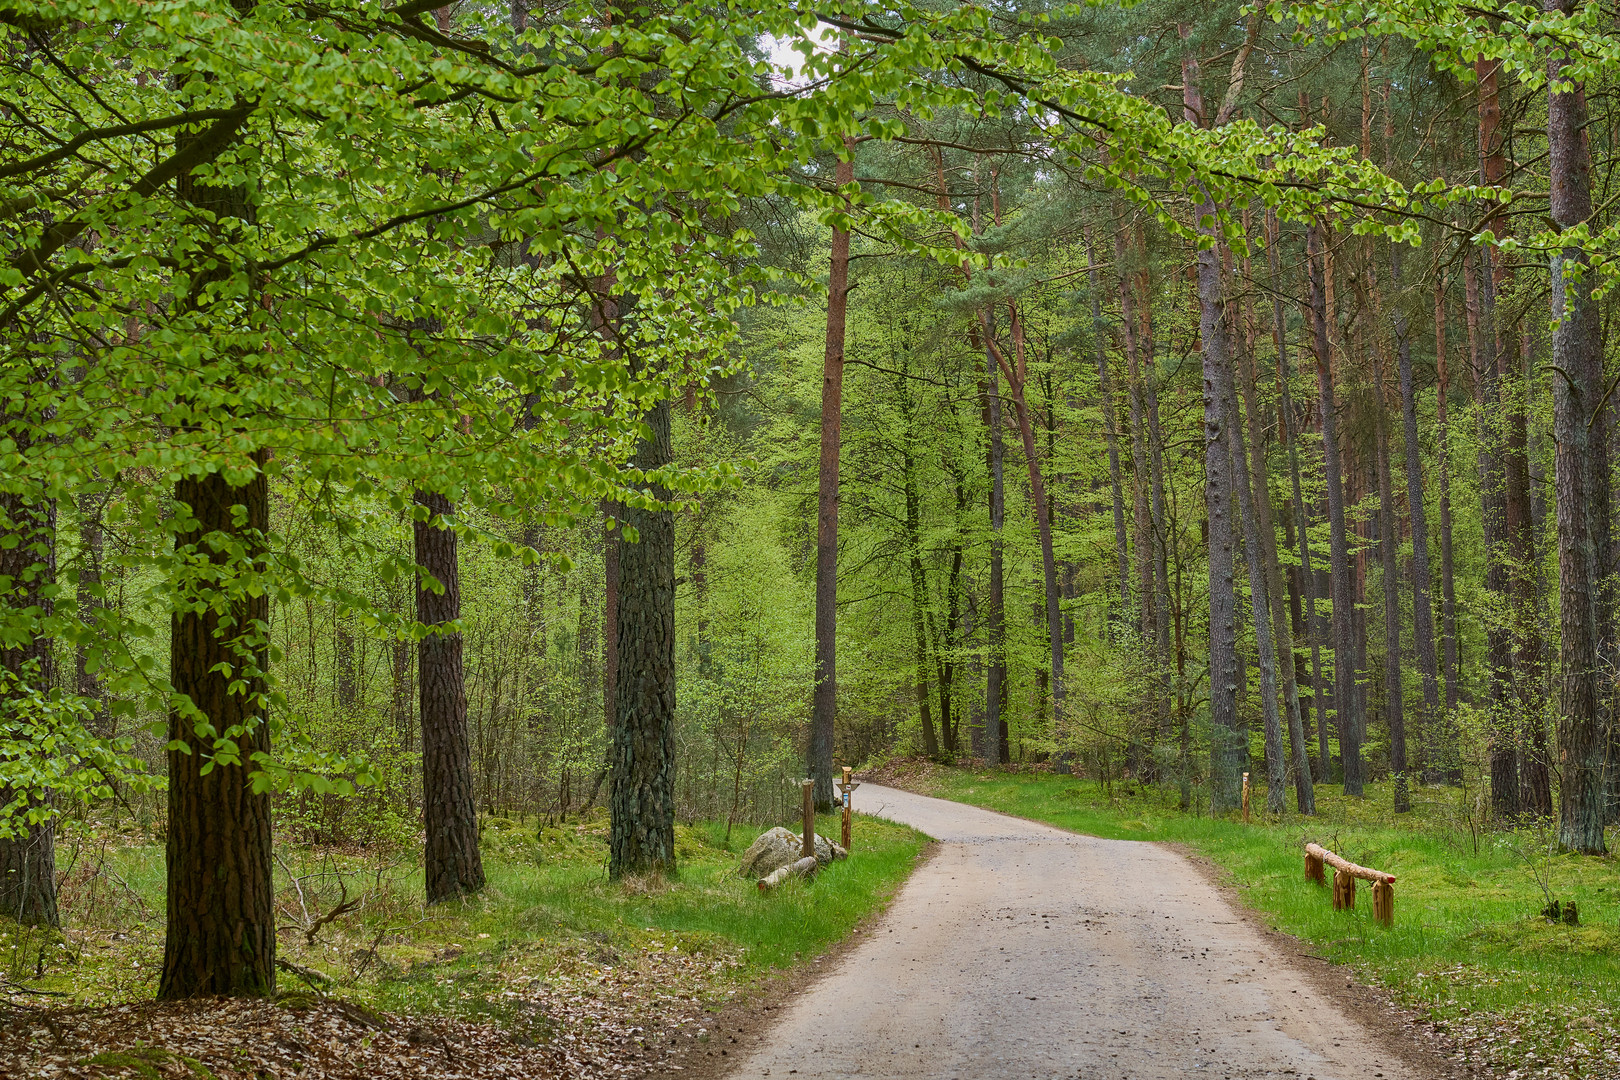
[1022, 951]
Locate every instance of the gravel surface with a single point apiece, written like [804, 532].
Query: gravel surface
[1021, 950]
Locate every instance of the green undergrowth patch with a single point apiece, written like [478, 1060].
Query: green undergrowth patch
[550, 941]
[1469, 945]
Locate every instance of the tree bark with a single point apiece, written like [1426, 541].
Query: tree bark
[1388, 542]
[1444, 743]
[642, 767]
[28, 859]
[1580, 471]
[1422, 593]
[914, 563]
[221, 937]
[995, 691]
[452, 864]
[1110, 420]
[1346, 699]
[824, 703]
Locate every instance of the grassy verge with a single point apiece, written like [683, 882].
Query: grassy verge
[1469, 945]
[549, 943]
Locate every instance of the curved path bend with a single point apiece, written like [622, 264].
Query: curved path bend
[1023, 951]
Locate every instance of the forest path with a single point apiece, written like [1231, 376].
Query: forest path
[1023, 951]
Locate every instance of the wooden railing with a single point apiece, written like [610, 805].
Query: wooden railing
[1345, 874]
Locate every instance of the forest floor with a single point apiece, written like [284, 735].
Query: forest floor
[1512, 993]
[551, 972]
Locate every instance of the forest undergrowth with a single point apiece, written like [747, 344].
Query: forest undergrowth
[550, 957]
[1516, 994]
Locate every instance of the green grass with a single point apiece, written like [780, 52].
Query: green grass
[548, 923]
[1469, 945]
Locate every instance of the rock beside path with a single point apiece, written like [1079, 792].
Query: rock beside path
[780, 847]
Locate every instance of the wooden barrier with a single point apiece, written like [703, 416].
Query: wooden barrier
[1245, 798]
[1345, 874]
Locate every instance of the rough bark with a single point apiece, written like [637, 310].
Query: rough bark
[1388, 542]
[221, 937]
[1346, 699]
[824, 702]
[1110, 419]
[1580, 472]
[452, 865]
[1422, 593]
[995, 691]
[28, 573]
[642, 765]
[1448, 588]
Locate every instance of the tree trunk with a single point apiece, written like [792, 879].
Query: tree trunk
[28, 860]
[91, 596]
[1287, 419]
[1110, 420]
[642, 796]
[824, 702]
[1346, 699]
[1422, 593]
[452, 866]
[221, 937]
[995, 691]
[1017, 379]
[1445, 747]
[1388, 542]
[1260, 596]
[919, 584]
[1580, 473]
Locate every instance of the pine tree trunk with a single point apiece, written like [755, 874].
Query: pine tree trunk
[642, 766]
[1346, 699]
[221, 937]
[1422, 593]
[1110, 420]
[1017, 380]
[1260, 598]
[1580, 473]
[1445, 742]
[1388, 542]
[28, 860]
[919, 585]
[452, 866]
[995, 692]
[824, 702]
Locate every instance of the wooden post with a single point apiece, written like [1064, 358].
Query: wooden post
[1245, 798]
[1313, 868]
[845, 789]
[1344, 891]
[808, 851]
[1384, 902]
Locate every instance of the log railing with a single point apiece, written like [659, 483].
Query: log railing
[1345, 874]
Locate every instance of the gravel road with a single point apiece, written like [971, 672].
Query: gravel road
[1022, 951]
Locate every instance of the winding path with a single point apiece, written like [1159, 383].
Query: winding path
[1022, 951]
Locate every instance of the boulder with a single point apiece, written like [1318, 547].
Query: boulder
[781, 847]
[773, 850]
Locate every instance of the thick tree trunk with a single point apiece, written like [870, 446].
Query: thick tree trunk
[221, 937]
[453, 866]
[28, 859]
[642, 767]
[824, 702]
[1580, 473]
[1346, 697]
